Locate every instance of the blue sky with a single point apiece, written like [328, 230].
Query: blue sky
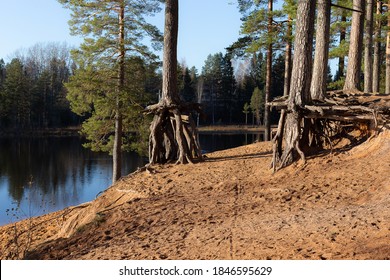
[205, 27]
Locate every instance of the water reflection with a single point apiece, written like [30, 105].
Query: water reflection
[40, 175]
[221, 141]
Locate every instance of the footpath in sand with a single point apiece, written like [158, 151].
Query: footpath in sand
[231, 206]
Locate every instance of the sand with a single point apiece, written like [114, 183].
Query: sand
[231, 206]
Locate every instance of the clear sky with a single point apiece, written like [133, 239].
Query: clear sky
[205, 27]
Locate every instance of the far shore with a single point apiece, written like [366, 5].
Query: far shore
[41, 132]
[75, 130]
[232, 129]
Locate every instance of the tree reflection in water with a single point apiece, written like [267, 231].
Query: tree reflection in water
[40, 175]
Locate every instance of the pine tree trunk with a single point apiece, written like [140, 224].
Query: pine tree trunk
[377, 47]
[117, 149]
[173, 135]
[352, 80]
[288, 60]
[387, 86]
[169, 91]
[320, 67]
[368, 47]
[291, 120]
[268, 79]
[343, 32]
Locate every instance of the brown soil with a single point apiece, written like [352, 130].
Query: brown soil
[337, 206]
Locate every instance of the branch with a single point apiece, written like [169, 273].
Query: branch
[346, 8]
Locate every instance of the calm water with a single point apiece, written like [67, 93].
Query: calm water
[41, 175]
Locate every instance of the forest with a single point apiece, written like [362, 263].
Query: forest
[107, 86]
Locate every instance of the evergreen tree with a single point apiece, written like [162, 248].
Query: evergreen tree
[368, 46]
[257, 104]
[228, 87]
[3, 107]
[341, 24]
[246, 111]
[173, 135]
[265, 30]
[186, 89]
[212, 73]
[377, 48]
[17, 97]
[320, 67]
[45, 68]
[290, 124]
[387, 80]
[113, 32]
[220, 87]
[353, 75]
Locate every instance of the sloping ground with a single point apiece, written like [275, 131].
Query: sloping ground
[230, 207]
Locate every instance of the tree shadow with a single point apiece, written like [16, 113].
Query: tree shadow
[354, 142]
[239, 157]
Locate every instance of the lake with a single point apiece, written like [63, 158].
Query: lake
[45, 174]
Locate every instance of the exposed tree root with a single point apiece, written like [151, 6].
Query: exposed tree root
[174, 137]
[290, 128]
[323, 123]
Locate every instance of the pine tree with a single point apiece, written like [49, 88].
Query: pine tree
[340, 42]
[246, 111]
[3, 107]
[257, 104]
[173, 135]
[352, 79]
[268, 29]
[228, 87]
[17, 96]
[320, 67]
[113, 31]
[387, 81]
[290, 123]
[368, 44]
[377, 48]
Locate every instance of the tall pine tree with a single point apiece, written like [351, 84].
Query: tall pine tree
[114, 31]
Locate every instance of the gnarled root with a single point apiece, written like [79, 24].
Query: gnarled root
[290, 129]
[173, 136]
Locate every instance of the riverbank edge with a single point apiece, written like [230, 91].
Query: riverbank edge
[60, 132]
[75, 131]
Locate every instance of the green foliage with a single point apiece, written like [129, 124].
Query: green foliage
[31, 89]
[92, 93]
[16, 95]
[97, 21]
[219, 87]
[340, 50]
[290, 8]
[257, 34]
[246, 108]
[246, 111]
[257, 104]
[337, 84]
[113, 77]
[186, 84]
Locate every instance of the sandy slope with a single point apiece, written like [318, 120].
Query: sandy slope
[230, 207]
